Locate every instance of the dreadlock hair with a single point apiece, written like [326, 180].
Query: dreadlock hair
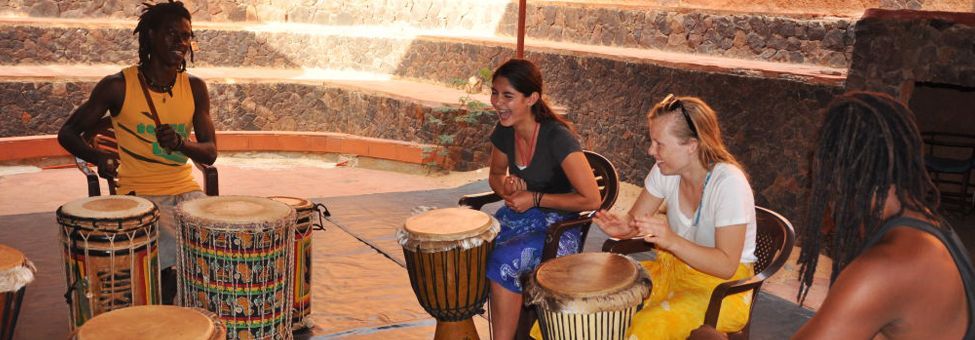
[152, 17]
[868, 144]
[525, 77]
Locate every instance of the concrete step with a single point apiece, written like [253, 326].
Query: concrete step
[37, 99]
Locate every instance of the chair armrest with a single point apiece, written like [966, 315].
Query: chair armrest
[91, 177]
[728, 288]
[477, 201]
[628, 246]
[555, 232]
[211, 182]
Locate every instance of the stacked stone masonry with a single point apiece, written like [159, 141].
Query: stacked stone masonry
[28, 44]
[819, 41]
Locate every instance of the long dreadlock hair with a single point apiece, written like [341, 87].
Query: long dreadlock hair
[868, 144]
[152, 17]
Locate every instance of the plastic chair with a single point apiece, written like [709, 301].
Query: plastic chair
[774, 239]
[952, 154]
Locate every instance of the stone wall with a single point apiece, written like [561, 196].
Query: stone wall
[820, 41]
[895, 49]
[851, 8]
[769, 124]
[26, 44]
[37, 108]
[454, 14]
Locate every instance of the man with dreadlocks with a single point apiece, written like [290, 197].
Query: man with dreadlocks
[154, 106]
[899, 270]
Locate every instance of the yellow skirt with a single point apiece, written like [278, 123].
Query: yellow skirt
[679, 300]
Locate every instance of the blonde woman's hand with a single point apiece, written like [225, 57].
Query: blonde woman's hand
[520, 201]
[656, 230]
[614, 226]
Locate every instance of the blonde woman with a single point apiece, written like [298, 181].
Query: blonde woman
[708, 236]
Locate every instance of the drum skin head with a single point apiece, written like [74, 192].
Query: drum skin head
[10, 258]
[294, 202]
[586, 275]
[108, 207]
[448, 224]
[235, 209]
[149, 323]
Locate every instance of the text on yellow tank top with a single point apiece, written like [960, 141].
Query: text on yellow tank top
[146, 168]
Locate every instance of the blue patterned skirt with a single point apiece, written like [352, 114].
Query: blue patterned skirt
[518, 247]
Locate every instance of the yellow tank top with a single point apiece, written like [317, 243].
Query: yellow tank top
[146, 168]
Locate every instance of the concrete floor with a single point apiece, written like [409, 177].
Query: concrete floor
[361, 289]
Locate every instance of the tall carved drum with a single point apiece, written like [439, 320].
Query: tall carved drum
[16, 272]
[154, 323]
[446, 254]
[309, 217]
[588, 295]
[235, 259]
[110, 254]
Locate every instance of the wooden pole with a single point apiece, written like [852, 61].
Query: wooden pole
[520, 53]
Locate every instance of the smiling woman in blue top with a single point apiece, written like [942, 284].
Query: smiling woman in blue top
[538, 168]
[708, 236]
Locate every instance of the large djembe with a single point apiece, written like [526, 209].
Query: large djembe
[235, 259]
[111, 253]
[446, 254]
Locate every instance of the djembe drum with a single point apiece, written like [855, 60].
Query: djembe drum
[235, 259]
[110, 254]
[588, 295]
[305, 224]
[446, 254]
[154, 323]
[16, 271]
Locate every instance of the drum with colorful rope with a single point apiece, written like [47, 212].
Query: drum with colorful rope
[235, 259]
[309, 218]
[110, 249]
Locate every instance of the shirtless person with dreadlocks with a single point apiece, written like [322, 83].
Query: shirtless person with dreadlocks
[153, 155]
[899, 269]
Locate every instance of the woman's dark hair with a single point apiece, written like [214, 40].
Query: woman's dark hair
[868, 144]
[525, 77]
[152, 18]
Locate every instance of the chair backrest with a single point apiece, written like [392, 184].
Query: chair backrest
[607, 178]
[774, 239]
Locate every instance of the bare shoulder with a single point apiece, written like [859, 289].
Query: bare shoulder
[196, 82]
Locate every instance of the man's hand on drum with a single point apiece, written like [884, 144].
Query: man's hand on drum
[520, 201]
[107, 165]
[656, 230]
[512, 185]
[615, 226]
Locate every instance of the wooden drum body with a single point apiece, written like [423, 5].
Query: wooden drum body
[306, 212]
[235, 259]
[16, 272]
[154, 323]
[588, 295]
[110, 254]
[446, 254]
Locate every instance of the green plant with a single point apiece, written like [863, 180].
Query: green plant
[467, 111]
